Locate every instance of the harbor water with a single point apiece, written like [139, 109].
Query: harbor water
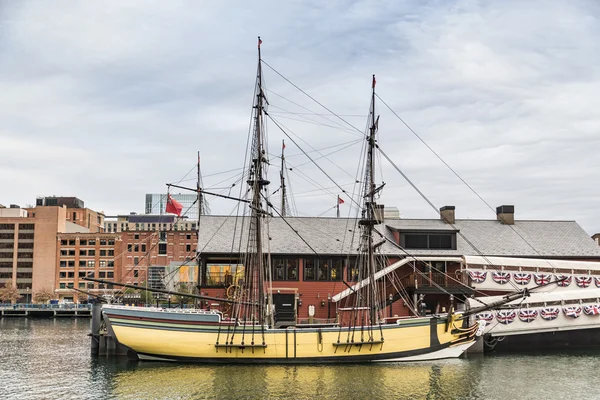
[49, 359]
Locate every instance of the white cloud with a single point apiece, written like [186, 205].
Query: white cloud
[110, 101]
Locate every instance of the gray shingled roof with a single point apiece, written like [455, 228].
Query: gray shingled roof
[333, 236]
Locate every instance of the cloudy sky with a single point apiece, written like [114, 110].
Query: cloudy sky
[110, 100]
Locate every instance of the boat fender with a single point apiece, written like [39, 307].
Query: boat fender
[320, 339]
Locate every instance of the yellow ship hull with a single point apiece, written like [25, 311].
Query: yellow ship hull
[157, 334]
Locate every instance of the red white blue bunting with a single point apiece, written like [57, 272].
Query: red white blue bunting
[542, 279]
[478, 276]
[506, 316]
[528, 315]
[501, 277]
[583, 281]
[487, 316]
[597, 281]
[572, 311]
[522, 278]
[564, 283]
[592, 309]
[549, 313]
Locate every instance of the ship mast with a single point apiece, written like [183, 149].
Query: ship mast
[369, 216]
[255, 263]
[282, 179]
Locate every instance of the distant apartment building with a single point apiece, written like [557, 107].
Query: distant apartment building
[82, 255]
[77, 213]
[156, 204]
[148, 222]
[29, 248]
[159, 259]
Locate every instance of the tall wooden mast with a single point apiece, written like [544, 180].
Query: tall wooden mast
[369, 213]
[255, 264]
[282, 181]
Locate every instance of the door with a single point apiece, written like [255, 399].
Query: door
[285, 310]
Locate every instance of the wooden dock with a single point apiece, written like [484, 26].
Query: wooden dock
[45, 311]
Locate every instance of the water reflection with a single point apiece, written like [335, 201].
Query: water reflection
[451, 379]
[49, 359]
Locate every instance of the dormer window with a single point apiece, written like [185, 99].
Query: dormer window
[428, 240]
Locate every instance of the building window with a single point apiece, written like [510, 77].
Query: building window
[188, 248]
[102, 264]
[81, 285]
[91, 252]
[103, 253]
[143, 248]
[136, 260]
[129, 248]
[63, 242]
[71, 242]
[309, 269]
[110, 274]
[82, 263]
[63, 263]
[323, 274]
[83, 252]
[353, 271]
[428, 240]
[136, 248]
[337, 270]
[62, 275]
[102, 242]
[91, 264]
[92, 242]
[63, 285]
[162, 249]
[111, 253]
[82, 242]
[90, 285]
[188, 236]
[101, 274]
[81, 274]
[71, 274]
[111, 264]
[74, 216]
[71, 263]
[285, 269]
[136, 273]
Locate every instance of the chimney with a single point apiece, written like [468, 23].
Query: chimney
[447, 214]
[506, 214]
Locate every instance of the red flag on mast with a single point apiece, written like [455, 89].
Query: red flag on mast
[374, 81]
[259, 42]
[340, 200]
[173, 206]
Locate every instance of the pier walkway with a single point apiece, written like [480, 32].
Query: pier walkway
[45, 310]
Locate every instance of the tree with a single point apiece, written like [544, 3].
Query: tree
[183, 287]
[9, 293]
[145, 295]
[42, 296]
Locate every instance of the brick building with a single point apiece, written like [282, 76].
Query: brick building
[316, 269]
[29, 251]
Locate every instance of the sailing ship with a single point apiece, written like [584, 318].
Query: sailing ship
[250, 331]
